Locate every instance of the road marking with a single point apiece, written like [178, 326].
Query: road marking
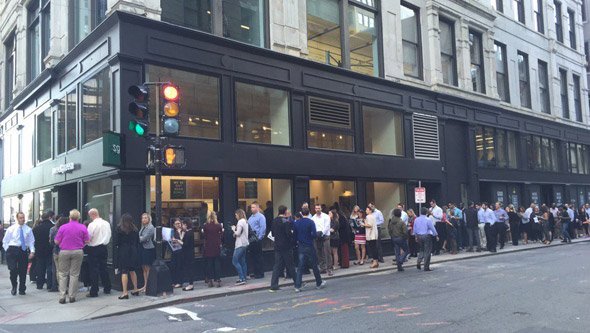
[171, 310]
[310, 302]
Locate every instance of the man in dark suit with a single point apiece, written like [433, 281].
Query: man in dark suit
[44, 251]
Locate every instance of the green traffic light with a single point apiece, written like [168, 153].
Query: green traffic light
[139, 130]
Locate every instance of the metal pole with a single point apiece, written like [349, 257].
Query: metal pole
[420, 204]
[158, 175]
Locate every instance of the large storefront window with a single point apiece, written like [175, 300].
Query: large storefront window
[496, 148]
[386, 197]
[96, 106]
[542, 153]
[199, 103]
[99, 194]
[21, 203]
[45, 201]
[262, 114]
[269, 193]
[329, 192]
[383, 131]
[189, 198]
[195, 14]
[579, 158]
[44, 136]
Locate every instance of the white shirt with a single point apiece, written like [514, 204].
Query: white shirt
[100, 232]
[322, 223]
[405, 217]
[12, 237]
[527, 213]
[437, 213]
[554, 211]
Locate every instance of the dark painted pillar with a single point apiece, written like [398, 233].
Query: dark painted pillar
[301, 192]
[298, 121]
[361, 194]
[472, 170]
[444, 186]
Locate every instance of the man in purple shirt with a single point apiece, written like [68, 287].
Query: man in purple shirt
[71, 239]
[424, 231]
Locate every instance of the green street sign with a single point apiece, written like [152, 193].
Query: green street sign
[111, 149]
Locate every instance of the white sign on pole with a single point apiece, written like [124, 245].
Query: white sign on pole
[420, 194]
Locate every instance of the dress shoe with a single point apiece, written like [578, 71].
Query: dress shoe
[13, 292]
[400, 269]
[124, 297]
[72, 299]
[62, 301]
[136, 293]
[22, 292]
[427, 269]
[418, 266]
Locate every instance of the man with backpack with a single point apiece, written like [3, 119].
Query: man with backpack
[282, 232]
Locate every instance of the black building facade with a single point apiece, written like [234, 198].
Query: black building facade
[262, 126]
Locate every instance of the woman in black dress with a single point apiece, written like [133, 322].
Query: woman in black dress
[176, 245]
[514, 221]
[188, 255]
[127, 243]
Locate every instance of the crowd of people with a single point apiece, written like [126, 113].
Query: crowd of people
[318, 240]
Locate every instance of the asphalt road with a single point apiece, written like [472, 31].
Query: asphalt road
[545, 290]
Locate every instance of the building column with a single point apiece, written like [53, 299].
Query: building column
[473, 175]
[288, 27]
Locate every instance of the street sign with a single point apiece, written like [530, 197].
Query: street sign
[111, 149]
[420, 194]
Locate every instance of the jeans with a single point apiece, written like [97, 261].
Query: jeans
[283, 258]
[213, 268]
[44, 270]
[97, 264]
[565, 227]
[239, 262]
[307, 254]
[425, 244]
[400, 243]
[255, 259]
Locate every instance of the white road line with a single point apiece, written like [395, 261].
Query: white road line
[176, 311]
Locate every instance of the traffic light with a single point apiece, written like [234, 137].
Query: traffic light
[173, 156]
[139, 109]
[170, 110]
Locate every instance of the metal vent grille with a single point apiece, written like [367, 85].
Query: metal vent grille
[426, 145]
[326, 112]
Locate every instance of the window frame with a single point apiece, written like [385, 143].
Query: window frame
[558, 21]
[453, 56]
[546, 96]
[528, 79]
[38, 16]
[337, 130]
[518, 10]
[95, 19]
[37, 160]
[9, 75]
[502, 48]
[419, 59]
[81, 133]
[481, 65]
[577, 97]
[538, 16]
[553, 151]
[572, 28]
[564, 93]
[506, 150]
[498, 5]
[362, 125]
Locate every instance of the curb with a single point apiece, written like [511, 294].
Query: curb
[384, 269]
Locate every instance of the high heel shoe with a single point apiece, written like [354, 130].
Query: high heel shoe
[124, 296]
[135, 293]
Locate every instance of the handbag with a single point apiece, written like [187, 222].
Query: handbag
[252, 236]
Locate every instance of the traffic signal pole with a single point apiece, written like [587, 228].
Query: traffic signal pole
[158, 175]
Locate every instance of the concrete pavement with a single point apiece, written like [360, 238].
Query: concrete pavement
[40, 306]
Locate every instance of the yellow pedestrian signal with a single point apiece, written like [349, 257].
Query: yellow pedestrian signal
[174, 156]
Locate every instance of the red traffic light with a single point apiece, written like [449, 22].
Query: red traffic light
[170, 92]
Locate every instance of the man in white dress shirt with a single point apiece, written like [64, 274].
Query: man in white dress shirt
[100, 236]
[19, 244]
[322, 242]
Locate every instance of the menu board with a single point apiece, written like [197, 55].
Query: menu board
[251, 190]
[177, 189]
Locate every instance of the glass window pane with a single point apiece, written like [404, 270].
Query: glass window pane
[329, 192]
[199, 101]
[61, 126]
[191, 199]
[45, 201]
[538, 153]
[326, 139]
[34, 52]
[554, 161]
[96, 100]
[72, 120]
[383, 131]
[411, 41]
[410, 28]
[25, 147]
[364, 50]
[411, 59]
[195, 14]
[262, 114]
[323, 32]
[490, 150]
[44, 136]
[386, 197]
[46, 33]
[501, 149]
[243, 20]
[512, 150]
[479, 146]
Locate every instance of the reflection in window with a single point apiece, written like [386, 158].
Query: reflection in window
[262, 114]
[364, 50]
[502, 72]
[386, 197]
[558, 22]
[538, 15]
[195, 14]
[476, 56]
[383, 131]
[542, 153]
[323, 32]
[572, 20]
[199, 105]
[243, 20]
[27, 146]
[96, 106]
[496, 147]
[544, 87]
[99, 194]
[577, 98]
[411, 41]
[45, 201]
[523, 78]
[86, 15]
[9, 68]
[518, 10]
[189, 198]
[71, 122]
[331, 140]
[565, 105]
[579, 158]
[60, 125]
[447, 52]
[44, 136]
[329, 192]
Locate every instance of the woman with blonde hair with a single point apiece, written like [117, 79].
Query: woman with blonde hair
[213, 234]
[147, 249]
[240, 233]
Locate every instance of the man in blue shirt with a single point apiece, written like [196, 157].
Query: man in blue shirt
[257, 222]
[304, 232]
[489, 219]
[500, 225]
[424, 231]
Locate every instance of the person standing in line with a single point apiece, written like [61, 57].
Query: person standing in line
[334, 237]
[500, 224]
[572, 215]
[282, 231]
[412, 244]
[481, 226]
[304, 231]
[257, 223]
[240, 233]
[2, 251]
[71, 239]
[44, 250]
[584, 219]
[405, 216]
[177, 262]
[55, 251]
[147, 249]
[127, 244]
[456, 219]
[380, 220]
[514, 221]
[535, 222]
[472, 226]
[398, 231]
[322, 242]
[345, 232]
[489, 219]
[213, 234]
[565, 225]
[100, 236]
[188, 251]
[440, 225]
[424, 231]
[19, 244]
[360, 239]
[525, 226]
[371, 234]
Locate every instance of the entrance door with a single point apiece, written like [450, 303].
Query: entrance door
[67, 198]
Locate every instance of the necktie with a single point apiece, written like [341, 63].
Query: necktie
[22, 239]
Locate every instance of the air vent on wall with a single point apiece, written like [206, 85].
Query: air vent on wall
[425, 133]
[326, 112]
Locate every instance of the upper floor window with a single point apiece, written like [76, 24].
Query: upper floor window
[200, 103]
[195, 14]
[65, 124]
[583, 10]
[85, 15]
[411, 40]
[579, 158]
[565, 107]
[577, 98]
[498, 5]
[558, 22]
[544, 87]
[572, 20]
[447, 51]
[38, 35]
[244, 21]
[43, 136]
[476, 56]
[502, 72]
[383, 131]
[96, 106]
[518, 10]
[542, 153]
[327, 33]
[496, 147]
[9, 68]
[538, 22]
[524, 79]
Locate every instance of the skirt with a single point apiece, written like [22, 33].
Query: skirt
[334, 242]
[360, 239]
[147, 256]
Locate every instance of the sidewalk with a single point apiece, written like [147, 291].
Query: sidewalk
[40, 306]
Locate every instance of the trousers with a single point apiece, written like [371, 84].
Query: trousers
[97, 264]
[322, 247]
[400, 243]
[17, 261]
[283, 259]
[44, 270]
[70, 262]
[425, 245]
